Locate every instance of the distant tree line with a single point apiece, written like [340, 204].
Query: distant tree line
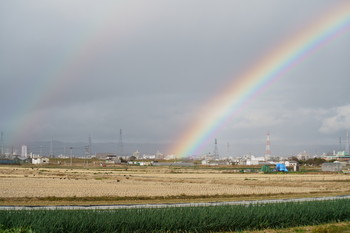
[310, 162]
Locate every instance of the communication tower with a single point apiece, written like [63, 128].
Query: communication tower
[268, 146]
[88, 148]
[216, 150]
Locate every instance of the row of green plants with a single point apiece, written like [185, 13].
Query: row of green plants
[184, 219]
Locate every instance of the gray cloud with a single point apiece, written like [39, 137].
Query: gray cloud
[88, 67]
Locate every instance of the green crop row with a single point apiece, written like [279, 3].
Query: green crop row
[185, 219]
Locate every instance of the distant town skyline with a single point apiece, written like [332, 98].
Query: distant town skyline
[224, 149]
[70, 69]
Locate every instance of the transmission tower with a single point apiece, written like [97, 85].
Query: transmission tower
[51, 147]
[228, 149]
[120, 145]
[268, 146]
[90, 145]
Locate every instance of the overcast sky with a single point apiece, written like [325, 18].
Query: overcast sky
[70, 69]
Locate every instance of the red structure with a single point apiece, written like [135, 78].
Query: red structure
[268, 146]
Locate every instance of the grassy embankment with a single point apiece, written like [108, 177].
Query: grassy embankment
[189, 219]
[115, 200]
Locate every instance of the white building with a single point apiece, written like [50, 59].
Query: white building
[255, 160]
[170, 157]
[39, 160]
[303, 156]
[24, 152]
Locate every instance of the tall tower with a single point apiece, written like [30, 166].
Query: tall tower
[268, 147]
[216, 150]
[120, 145]
[71, 155]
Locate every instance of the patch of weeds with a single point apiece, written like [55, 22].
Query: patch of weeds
[300, 230]
[100, 178]
[330, 229]
[15, 230]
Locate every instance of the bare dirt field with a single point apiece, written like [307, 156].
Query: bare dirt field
[149, 184]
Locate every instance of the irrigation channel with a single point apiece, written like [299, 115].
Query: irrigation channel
[142, 206]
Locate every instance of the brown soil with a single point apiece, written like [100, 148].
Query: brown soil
[36, 186]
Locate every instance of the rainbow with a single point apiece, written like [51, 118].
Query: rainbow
[259, 77]
[64, 71]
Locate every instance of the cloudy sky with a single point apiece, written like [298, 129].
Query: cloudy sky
[70, 69]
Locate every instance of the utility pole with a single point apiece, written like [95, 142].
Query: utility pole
[71, 155]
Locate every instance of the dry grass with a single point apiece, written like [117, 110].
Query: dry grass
[158, 183]
[338, 227]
